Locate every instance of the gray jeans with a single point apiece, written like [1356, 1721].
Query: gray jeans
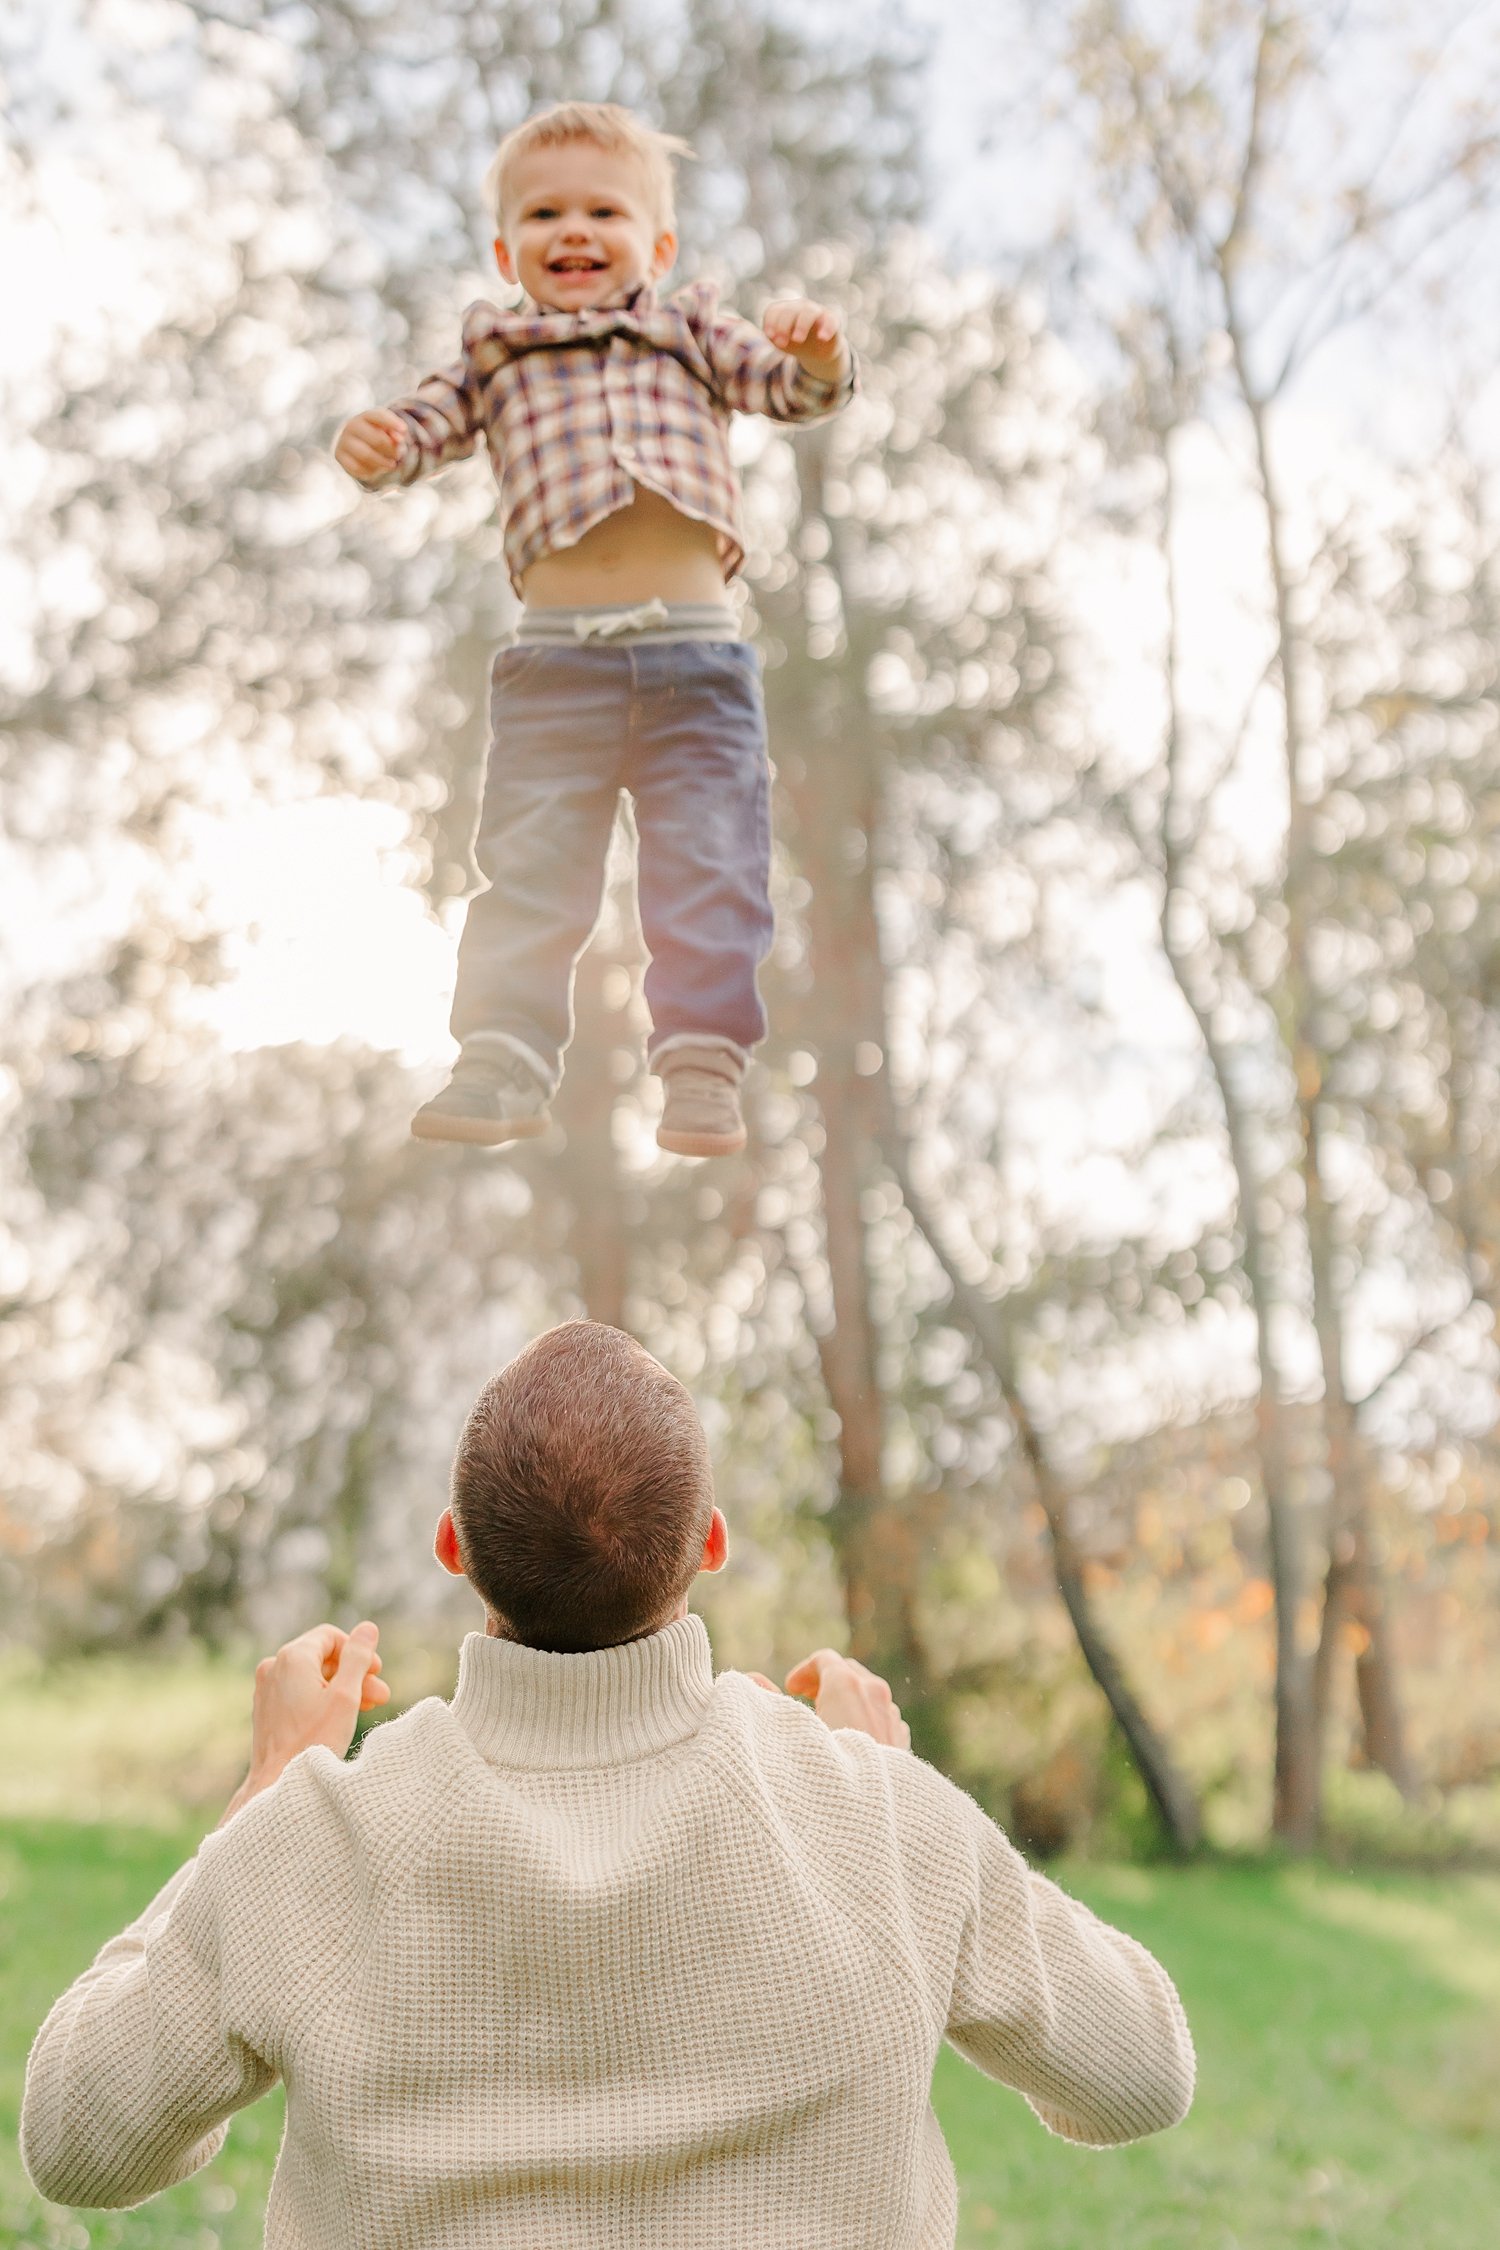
[676, 718]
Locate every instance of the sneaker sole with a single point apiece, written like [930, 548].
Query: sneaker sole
[478, 1132]
[701, 1144]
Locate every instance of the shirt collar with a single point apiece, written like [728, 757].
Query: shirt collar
[531, 1707]
[639, 300]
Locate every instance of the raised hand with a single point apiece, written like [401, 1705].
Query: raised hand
[812, 333]
[310, 1692]
[371, 443]
[845, 1693]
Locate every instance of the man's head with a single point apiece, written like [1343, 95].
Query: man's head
[582, 1504]
[581, 198]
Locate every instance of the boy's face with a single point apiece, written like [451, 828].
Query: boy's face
[579, 230]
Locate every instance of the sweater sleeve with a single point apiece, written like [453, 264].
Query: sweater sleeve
[754, 376]
[134, 2075]
[1051, 2001]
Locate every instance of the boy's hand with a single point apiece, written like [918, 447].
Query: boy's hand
[311, 1691]
[846, 1694]
[811, 333]
[370, 443]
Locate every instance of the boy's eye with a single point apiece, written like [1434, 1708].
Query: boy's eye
[603, 211]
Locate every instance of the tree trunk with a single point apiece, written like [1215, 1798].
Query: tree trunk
[1297, 1781]
[347, 1519]
[1354, 1579]
[598, 1233]
[1354, 1588]
[986, 1319]
[875, 1537]
[1376, 1689]
[876, 1540]
[1296, 1810]
[830, 784]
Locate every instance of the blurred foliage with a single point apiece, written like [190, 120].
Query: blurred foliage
[241, 1316]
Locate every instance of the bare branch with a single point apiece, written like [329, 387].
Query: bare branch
[1229, 755]
[1347, 309]
[1409, 1352]
[1226, 248]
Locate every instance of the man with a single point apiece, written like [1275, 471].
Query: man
[607, 1951]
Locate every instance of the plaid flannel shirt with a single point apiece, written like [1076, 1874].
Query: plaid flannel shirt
[576, 409]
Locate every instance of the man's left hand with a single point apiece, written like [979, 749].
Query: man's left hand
[311, 1691]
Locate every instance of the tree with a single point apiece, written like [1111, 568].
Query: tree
[909, 577]
[1256, 218]
[249, 631]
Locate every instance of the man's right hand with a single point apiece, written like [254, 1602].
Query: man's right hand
[371, 443]
[846, 1693]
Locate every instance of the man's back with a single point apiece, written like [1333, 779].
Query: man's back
[608, 1950]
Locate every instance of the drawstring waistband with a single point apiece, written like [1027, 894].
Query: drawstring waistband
[645, 621]
[609, 624]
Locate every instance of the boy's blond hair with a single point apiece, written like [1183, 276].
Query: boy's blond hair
[608, 126]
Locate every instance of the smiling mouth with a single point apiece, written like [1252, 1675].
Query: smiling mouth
[575, 265]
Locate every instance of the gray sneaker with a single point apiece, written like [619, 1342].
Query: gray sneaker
[701, 1112]
[490, 1098]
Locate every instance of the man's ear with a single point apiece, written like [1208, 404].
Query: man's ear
[716, 1545]
[504, 260]
[445, 1545]
[663, 254]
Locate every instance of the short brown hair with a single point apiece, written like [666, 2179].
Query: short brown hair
[582, 1491]
[609, 126]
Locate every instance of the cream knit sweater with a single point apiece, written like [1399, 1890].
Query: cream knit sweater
[606, 1952]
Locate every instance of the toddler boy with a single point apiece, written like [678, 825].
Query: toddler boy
[605, 411]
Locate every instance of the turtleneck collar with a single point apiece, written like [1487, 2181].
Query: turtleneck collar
[529, 1707]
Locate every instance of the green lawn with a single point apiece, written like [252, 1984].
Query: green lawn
[1346, 2027]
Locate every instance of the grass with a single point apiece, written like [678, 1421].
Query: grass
[1349, 2075]
[64, 1888]
[1349, 2066]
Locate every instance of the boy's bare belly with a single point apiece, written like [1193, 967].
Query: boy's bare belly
[646, 551]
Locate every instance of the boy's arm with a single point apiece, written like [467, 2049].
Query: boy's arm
[415, 436]
[798, 368]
